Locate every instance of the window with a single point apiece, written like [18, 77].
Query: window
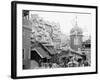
[23, 53]
[76, 41]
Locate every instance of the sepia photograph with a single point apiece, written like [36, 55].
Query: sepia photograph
[53, 39]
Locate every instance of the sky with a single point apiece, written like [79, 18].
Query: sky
[67, 20]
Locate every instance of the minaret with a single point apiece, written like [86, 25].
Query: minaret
[76, 37]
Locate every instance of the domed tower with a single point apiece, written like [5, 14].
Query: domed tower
[76, 38]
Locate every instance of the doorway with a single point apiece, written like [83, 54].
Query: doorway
[35, 56]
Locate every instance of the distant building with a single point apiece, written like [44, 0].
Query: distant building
[86, 44]
[76, 38]
[86, 47]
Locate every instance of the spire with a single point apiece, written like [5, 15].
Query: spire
[76, 28]
[76, 24]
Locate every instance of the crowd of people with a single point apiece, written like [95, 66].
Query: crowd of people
[64, 62]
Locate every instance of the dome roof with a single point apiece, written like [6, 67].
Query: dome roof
[76, 30]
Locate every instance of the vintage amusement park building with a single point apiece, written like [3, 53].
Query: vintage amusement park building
[76, 38]
[36, 45]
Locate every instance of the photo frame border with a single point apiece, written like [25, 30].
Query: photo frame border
[14, 38]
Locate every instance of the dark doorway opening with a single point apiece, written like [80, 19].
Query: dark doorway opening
[88, 46]
[35, 56]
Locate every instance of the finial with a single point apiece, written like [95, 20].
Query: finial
[76, 22]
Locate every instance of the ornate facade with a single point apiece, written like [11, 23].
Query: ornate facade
[76, 38]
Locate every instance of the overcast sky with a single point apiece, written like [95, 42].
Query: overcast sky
[67, 20]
